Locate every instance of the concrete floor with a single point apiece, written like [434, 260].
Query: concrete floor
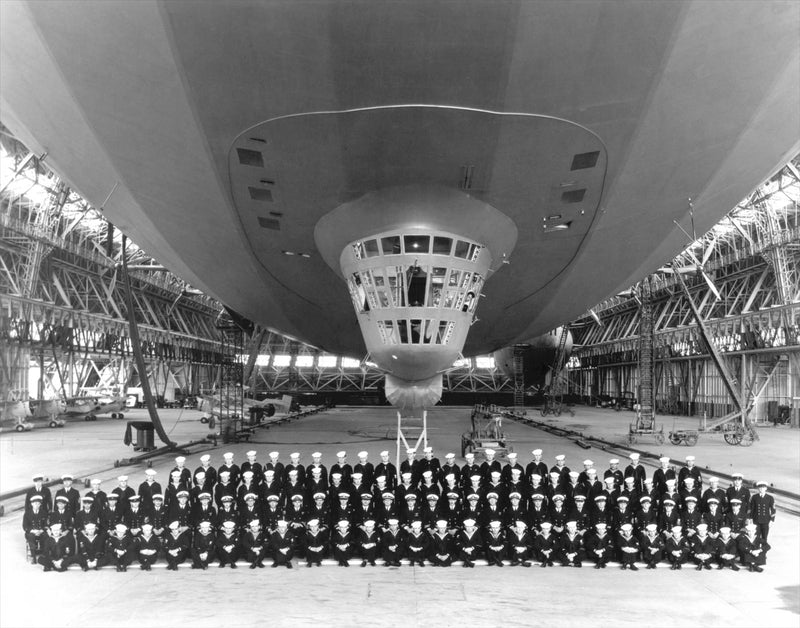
[379, 596]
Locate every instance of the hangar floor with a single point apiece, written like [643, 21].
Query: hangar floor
[379, 596]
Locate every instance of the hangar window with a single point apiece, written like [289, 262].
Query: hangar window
[326, 361]
[281, 359]
[304, 361]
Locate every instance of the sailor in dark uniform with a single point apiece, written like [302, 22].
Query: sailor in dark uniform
[251, 464]
[690, 470]
[645, 515]
[124, 491]
[490, 465]
[234, 472]
[210, 471]
[227, 544]
[579, 513]
[546, 545]
[430, 463]
[495, 543]
[158, 515]
[520, 543]
[570, 547]
[536, 466]
[342, 543]
[627, 547]
[255, 544]
[598, 545]
[148, 488]
[614, 471]
[636, 471]
[91, 552]
[203, 546]
[392, 543]
[668, 518]
[441, 550]
[703, 547]
[468, 470]
[691, 516]
[147, 547]
[583, 476]
[135, 516]
[120, 546]
[753, 548]
[664, 473]
[294, 465]
[176, 545]
[713, 492]
[99, 496]
[368, 541]
[651, 545]
[58, 551]
[727, 550]
[365, 468]
[342, 467]
[469, 542]
[316, 463]
[417, 544]
[762, 509]
[449, 467]
[387, 469]
[676, 548]
[316, 543]
[185, 473]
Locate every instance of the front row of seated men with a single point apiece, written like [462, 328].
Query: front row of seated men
[55, 548]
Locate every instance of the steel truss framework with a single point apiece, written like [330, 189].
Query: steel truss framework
[749, 301]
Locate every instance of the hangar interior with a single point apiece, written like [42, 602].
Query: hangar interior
[715, 328]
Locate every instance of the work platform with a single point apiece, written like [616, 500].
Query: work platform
[380, 596]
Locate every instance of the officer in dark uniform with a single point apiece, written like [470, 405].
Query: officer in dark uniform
[737, 490]
[34, 524]
[62, 514]
[735, 518]
[70, 492]
[38, 489]
[762, 509]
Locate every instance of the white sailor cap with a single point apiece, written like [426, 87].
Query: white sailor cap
[385, 452]
[751, 527]
[316, 471]
[512, 456]
[317, 454]
[411, 450]
[313, 522]
[516, 471]
[536, 476]
[609, 480]
[406, 475]
[469, 522]
[229, 525]
[677, 529]
[294, 455]
[496, 474]
[495, 524]
[634, 456]
[427, 450]
[282, 523]
[122, 478]
[630, 479]
[626, 527]
[205, 458]
[561, 457]
[91, 525]
[469, 456]
[545, 525]
[224, 473]
[204, 525]
[489, 452]
[247, 474]
[341, 454]
[537, 452]
[587, 463]
[573, 474]
[427, 474]
[689, 457]
[121, 527]
[227, 455]
[93, 481]
[670, 481]
[416, 524]
[150, 472]
[664, 459]
[180, 459]
[713, 479]
[175, 473]
[572, 524]
[441, 523]
[591, 471]
[336, 475]
[255, 523]
[688, 479]
[702, 527]
[357, 475]
[55, 527]
[363, 454]
[651, 527]
[614, 461]
[601, 525]
[252, 453]
[449, 456]
[344, 523]
[274, 454]
[725, 530]
[392, 521]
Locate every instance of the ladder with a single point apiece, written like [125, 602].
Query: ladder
[231, 380]
[646, 413]
[519, 375]
[558, 363]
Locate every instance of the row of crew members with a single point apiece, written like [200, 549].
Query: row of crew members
[359, 508]
[93, 548]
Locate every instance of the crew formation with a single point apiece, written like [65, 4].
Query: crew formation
[428, 512]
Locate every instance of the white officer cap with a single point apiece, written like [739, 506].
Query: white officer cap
[62, 498]
[204, 495]
[122, 478]
[252, 453]
[762, 483]
[737, 475]
[341, 454]
[634, 456]
[319, 494]
[250, 496]
[180, 459]
[182, 494]
[690, 498]
[690, 457]
[112, 496]
[492, 494]
[67, 476]
[664, 459]
[489, 452]
[158, 496]
[150, 472]
[561, 457]
[385, 452]
[514, 494]
[205, 458]
[363, 454]
[294, 455]
[537, 452]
